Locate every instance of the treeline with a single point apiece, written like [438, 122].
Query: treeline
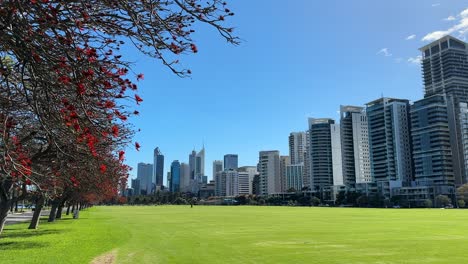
[343, 199]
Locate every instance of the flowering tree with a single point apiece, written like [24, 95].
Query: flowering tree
[66, 92]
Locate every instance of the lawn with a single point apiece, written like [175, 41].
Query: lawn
[180, 234]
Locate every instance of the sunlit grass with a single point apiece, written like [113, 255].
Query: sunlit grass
[180, 234]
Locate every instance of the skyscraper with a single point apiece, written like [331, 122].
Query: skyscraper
[270, 174]
[217, 166]
[355, 145]
[136, 186]
[192, 162]
[175, 176]
[445, 72]
[200, 164]
[297, 147]
[158, 170]
[231, 162]
[184, 177]
[145, 175]
[325, 153]
[432, 152]
[389, 140]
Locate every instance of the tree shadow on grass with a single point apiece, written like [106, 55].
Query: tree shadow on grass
[29, 233]
[13, 245]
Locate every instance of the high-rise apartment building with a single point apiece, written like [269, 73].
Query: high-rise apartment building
[158, 167]
[244, 173]
[297, 147]
[175, 176]
[325, 153]
[227, 183]
[294, 174]
[145, 175]
[432, 151]
[231, 162]
[270, 174]
[355, 145]
[445, 72]
[389, 140]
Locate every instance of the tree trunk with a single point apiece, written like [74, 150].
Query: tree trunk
[68, 209]
[53, 211]
[37, 213]
[59, 209]
[4, 208]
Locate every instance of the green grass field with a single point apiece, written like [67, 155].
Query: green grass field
[180, 234]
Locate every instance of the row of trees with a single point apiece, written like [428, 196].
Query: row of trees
[66, 93]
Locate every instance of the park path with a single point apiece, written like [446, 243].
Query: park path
[22, 217]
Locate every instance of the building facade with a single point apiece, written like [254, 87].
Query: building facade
[217, 167]
[158, 167]
[270, 174]
[294, 174]
[227, 183]
[297, 147]
[389, 140]
[445, 72]
[175, 176]
[231, 162]
[145, 176]
[355, 145]
[185, 177]
[324, 153]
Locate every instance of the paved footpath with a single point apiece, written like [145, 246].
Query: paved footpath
[22, 217]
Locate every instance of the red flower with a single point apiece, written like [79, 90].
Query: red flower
[115, 131]
[81, 89]
[28, 182]
[137, 146]
[140, 77]
[103, 168]
[138, 99]
[194, 48]
[121, 155]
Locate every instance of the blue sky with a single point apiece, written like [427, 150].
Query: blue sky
[297, 59]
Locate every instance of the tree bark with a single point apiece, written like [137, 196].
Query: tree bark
[60, 209]
[68, 209]
[37, 213]
[53, 211]
[4, 208]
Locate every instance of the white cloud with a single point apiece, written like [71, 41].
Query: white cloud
[415, 60]
[464, 13]
[450, 18]
[460, 28]
[411, 37]
[384, 52]
[436, 4]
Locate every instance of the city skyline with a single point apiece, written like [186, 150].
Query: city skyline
[394, 76]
